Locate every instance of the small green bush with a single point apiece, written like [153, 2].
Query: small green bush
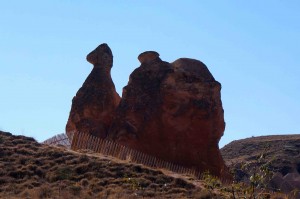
[63, 173]
[211, 182]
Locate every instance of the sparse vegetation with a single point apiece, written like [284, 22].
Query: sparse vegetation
[32, 170]
[255, 187]
[259, 177]
[210, 182]
[259, 165]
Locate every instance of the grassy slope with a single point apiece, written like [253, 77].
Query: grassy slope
[282, 151]
[32, 170]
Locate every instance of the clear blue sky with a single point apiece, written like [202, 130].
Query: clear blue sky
[251, 47]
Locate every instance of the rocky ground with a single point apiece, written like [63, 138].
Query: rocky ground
[32, 170]
[278, 156]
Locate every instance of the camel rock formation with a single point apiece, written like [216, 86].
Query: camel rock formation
[94, 105]
[172, 111]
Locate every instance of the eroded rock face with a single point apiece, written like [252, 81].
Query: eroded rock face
[94, 105]
[174, 112]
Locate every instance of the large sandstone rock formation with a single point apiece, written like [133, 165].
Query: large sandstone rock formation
[172, 111]
[94, 105]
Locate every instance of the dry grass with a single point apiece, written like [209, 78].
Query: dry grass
[32, 170]
[277, 154]
[282, 150]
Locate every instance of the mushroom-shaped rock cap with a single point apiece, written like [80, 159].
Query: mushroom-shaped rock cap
[101, 56]
[148, 56]
[193, 67]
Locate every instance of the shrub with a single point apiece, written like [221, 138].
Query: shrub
[39, 172]
[55, 154]
[182, 183]
[75, 189]
[211, 182]
[23, 160]
[83, 159]
[4, 180]
[45, 191]
[162, 179]
[137, 168]
[259, 174]
[18, 174]
[84, 182]
[204, 194]
[134, 183]
[177, 190]
[24, 151]
[144, 182]
[81, 169]
[64, 173]
[149, 194]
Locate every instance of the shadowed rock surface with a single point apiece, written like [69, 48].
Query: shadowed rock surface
[172, 111]
[94, 105]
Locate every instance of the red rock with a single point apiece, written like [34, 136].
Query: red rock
[174, 112]
[94, 105]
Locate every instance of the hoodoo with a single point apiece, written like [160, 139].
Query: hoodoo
[94, 105]
[172, 111]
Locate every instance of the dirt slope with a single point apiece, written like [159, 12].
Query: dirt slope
[274, 159]
[282, 150]
[32, 170]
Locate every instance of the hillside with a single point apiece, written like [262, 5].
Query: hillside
[32, 170]
[279, 154]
